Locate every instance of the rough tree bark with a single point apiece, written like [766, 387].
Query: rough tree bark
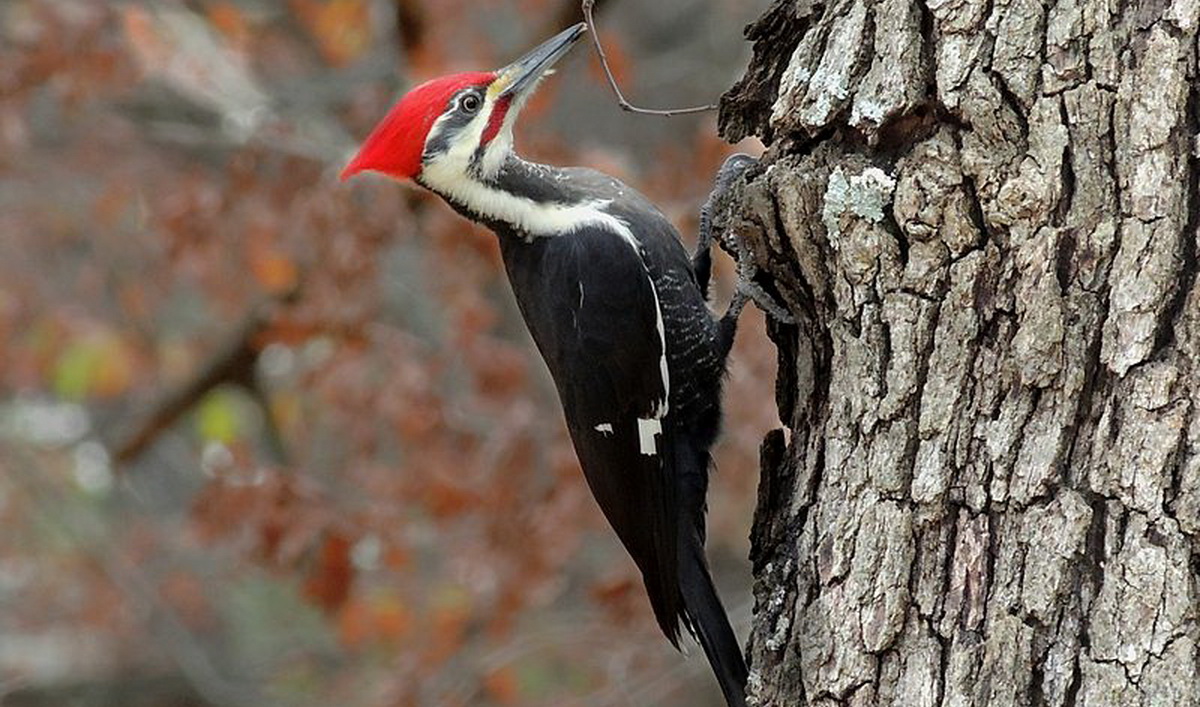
[984, 215]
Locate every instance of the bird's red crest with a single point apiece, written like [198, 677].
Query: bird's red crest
[394, 147]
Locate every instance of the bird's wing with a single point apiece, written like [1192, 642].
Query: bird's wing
[614, 385]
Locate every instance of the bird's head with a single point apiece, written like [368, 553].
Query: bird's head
[458, 126]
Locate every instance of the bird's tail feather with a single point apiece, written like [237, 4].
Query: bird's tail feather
[710, 624]
[702, 607]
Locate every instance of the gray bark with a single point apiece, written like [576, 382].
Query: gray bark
[984, 215]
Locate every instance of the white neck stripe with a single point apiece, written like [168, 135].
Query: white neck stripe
[533, 219]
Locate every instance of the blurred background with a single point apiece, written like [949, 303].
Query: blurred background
[270, 439]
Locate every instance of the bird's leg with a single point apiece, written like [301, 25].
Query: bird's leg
[747, 289]
[733, 168]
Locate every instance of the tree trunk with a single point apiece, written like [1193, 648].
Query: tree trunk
[984, 216]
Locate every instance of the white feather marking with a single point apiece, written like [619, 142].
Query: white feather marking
[605, 428]
[526, 215]
[646, 431]
[661, 410]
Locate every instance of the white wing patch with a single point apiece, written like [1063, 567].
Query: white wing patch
[647, 429]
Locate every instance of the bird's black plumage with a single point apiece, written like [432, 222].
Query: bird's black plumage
[592, 300]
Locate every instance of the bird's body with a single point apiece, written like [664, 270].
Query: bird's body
[620, 316]
[603, 302]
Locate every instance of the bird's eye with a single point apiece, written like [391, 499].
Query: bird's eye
[470, 103]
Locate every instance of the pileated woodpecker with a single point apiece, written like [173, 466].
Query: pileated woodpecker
[618, 311]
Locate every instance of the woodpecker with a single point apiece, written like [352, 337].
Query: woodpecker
[618, 311]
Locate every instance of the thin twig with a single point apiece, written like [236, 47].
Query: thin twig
[612, 81]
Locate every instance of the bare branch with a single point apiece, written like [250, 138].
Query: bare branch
[612, 81]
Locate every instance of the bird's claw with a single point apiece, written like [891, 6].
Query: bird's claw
[733, 167]
[749, 290]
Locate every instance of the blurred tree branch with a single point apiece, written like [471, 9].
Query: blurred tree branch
[90, 531]
[233, 362]
[411, 25]
[170, 690]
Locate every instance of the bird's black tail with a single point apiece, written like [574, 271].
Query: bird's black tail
[710, 624]
[704, 613]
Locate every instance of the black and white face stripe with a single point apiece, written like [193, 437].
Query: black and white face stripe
[471, 139]
[463, 108]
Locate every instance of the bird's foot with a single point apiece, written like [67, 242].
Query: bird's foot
[748, 290]
[733, 167]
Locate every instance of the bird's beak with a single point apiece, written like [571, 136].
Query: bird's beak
[523, 74]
